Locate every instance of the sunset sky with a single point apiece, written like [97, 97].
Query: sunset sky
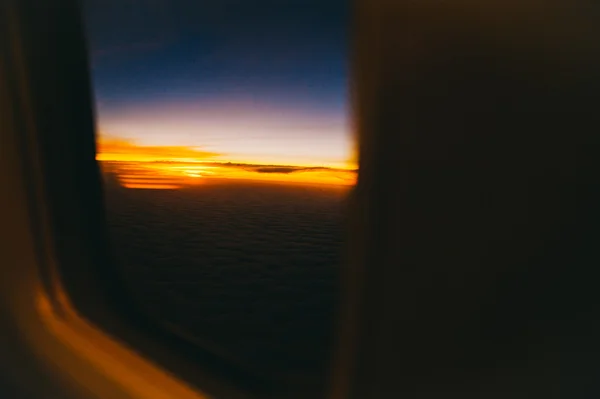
[260, 82]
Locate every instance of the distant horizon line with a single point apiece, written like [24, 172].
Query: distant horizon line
[235, 164]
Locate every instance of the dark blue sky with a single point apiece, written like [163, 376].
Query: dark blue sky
[258, 81]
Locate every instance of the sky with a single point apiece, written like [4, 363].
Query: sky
[261, 82]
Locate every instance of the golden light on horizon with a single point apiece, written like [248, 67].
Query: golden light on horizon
[115, 149]
[172, 167]
[151, 175]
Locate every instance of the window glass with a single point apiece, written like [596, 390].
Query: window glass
[224, 140]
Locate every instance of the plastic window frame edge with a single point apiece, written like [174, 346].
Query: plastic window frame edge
[82, 355]
[64, 340]
[71, 334]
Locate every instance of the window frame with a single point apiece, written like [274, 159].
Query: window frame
[52, 75]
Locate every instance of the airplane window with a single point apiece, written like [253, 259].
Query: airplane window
[224, 141]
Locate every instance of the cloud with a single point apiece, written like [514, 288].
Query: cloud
[275, 170]
[283, 169]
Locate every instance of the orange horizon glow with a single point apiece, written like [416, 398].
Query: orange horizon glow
[172, 167]
[110, 148]
[115, 149]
